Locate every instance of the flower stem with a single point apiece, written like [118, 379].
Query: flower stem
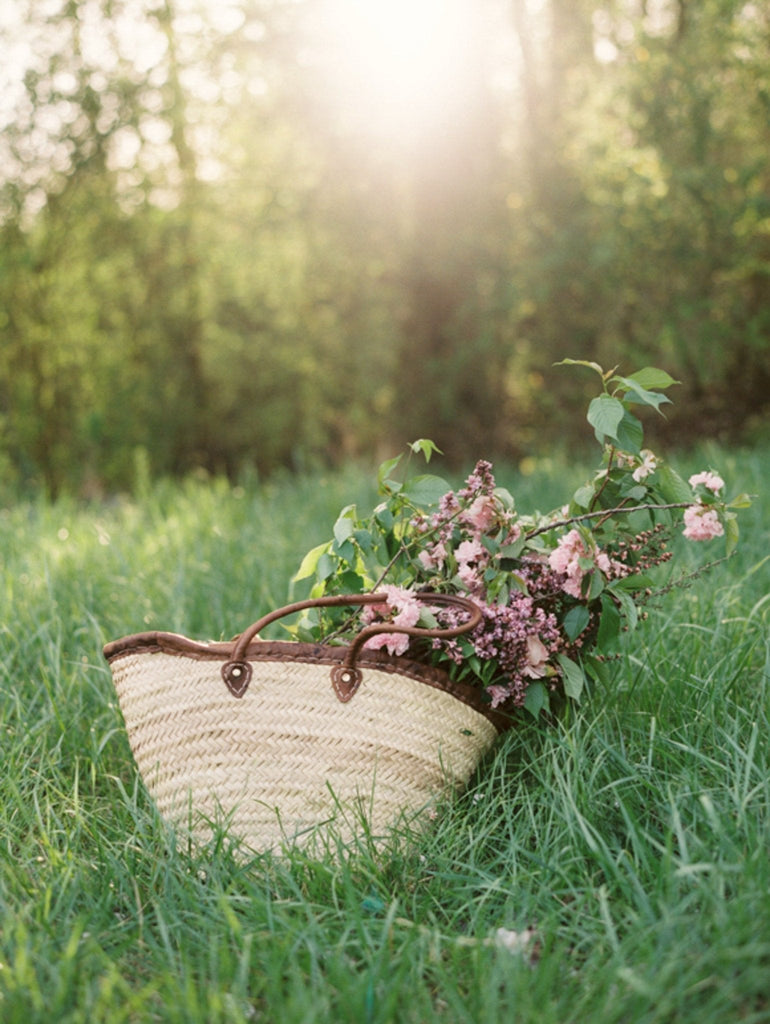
[606, 479]
[604, 514]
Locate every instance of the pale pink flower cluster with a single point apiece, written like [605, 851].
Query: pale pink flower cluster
[482, 513]
[471, 555]
[573, 558]
[402, 609]
[711, 481]
[520, 636]
[519, 631]
[702, 523]
[433, 557]
[463, 518]
[647, 466]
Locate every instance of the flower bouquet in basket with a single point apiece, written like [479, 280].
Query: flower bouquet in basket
[431, 625]
[555, 590]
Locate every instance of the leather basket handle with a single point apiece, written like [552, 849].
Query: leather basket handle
[346, 677]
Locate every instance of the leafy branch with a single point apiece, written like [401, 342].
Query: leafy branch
[605, 513]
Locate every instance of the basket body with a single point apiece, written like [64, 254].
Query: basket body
[289, 755]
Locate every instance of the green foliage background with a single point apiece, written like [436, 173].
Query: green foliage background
[261, 283]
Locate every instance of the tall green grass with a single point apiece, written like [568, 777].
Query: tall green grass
[634, 837]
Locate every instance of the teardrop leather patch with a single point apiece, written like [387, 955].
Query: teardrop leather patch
[237, 676]
[345, 682]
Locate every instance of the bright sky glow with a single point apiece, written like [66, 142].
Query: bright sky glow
[396, 62]
[396, 72]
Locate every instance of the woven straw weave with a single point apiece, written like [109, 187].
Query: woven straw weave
[289, 756]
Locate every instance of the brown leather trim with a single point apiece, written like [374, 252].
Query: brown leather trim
[316, 654]
[168, 643]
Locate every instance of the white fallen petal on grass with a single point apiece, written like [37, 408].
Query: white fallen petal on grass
[515, 942]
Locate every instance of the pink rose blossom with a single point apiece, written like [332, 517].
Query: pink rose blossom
[432, 558]
[426, 560]
[469, 577]
[403, 603]
[407, 613]
[712, 481]
[701, 523]
[469, 551]
[566, 559]
[481, 514]
[567, 552]
[395, 643]
[572, 586]
[603, 562]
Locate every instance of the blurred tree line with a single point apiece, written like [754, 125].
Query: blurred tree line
[207, 259]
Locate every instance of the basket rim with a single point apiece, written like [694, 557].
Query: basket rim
[177, 645]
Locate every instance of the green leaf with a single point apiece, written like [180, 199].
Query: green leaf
[572, 674]
[641, 394]
[630, 433]
[672, 486]
[583, 496]
[326, 566]
[384, 472]
[604, 415]
[581, 362]
[515, 549]
[518, 582]
[351, 583]
[310, 562]
[638, 581]
[304, 635]
[425, 490]
[732, 532]
[628, 607]
[384, 517]
[426, 447]
[740, 501]
[597, 670]
[536, 699]
[650, 377]
[596, 585]
[505, 497]
[345, 551]
[364, 540]
[344, 527]
[609, 625]
[635, 493]
[492, 545]
[576, 620]
[475, 664]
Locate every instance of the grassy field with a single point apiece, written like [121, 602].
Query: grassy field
[634, 838]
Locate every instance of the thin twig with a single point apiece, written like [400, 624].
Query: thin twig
[603, 514]
[687, 579]
[605, 481]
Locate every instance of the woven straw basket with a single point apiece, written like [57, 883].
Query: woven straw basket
[277, 738]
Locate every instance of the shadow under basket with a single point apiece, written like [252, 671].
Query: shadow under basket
[278, 739]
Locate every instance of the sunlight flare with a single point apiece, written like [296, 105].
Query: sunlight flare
[397, 64]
